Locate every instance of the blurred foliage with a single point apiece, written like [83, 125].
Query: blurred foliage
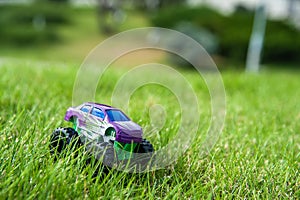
[282, 42]
[59, 1]
[155, 4]
[32, 24]
[201, 35]
[56, 1]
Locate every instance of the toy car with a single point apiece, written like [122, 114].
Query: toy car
[104, 130]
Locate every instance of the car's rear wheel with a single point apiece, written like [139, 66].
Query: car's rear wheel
[61, 137]
[58, 141]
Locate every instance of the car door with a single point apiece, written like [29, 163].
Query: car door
[82, 118]
[96, 121]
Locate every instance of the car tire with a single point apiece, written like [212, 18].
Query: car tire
[145, 147]
[58, 141]
[105, 153]
[61, 137]
[145, 157]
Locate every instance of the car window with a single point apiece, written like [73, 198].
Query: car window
[85, 108]
[98, 112]
[116, 115]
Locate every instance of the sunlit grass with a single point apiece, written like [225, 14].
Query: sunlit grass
[257, 156]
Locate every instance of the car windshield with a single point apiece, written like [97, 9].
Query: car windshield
[116, 115]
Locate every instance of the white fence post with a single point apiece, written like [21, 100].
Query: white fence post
[257, 38]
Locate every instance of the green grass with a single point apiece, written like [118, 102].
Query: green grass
[257, 156]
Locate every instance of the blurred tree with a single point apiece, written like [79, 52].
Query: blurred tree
[167, 3]
[110, 14]
[54, 1]
[31, 24]
[282, 41]
[59, 1]
[151, 5]
[203, 36]
[241, 8]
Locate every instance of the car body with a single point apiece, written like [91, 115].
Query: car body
[104, 123]
[104, 132]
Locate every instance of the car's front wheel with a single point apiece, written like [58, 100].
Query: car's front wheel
[144, 147]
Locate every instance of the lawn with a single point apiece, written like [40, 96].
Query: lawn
[257, 156]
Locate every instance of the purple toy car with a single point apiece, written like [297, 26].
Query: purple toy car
[100, 126]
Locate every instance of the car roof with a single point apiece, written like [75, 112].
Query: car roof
[99, 105]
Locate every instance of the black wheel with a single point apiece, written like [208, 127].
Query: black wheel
[61, 137]
[72, 138]
[58, 141]
[145, 156]
[110, 157]
[105, 152]
[145, 147]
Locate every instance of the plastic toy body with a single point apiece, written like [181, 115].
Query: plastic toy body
[101, 127]
[98, 120]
